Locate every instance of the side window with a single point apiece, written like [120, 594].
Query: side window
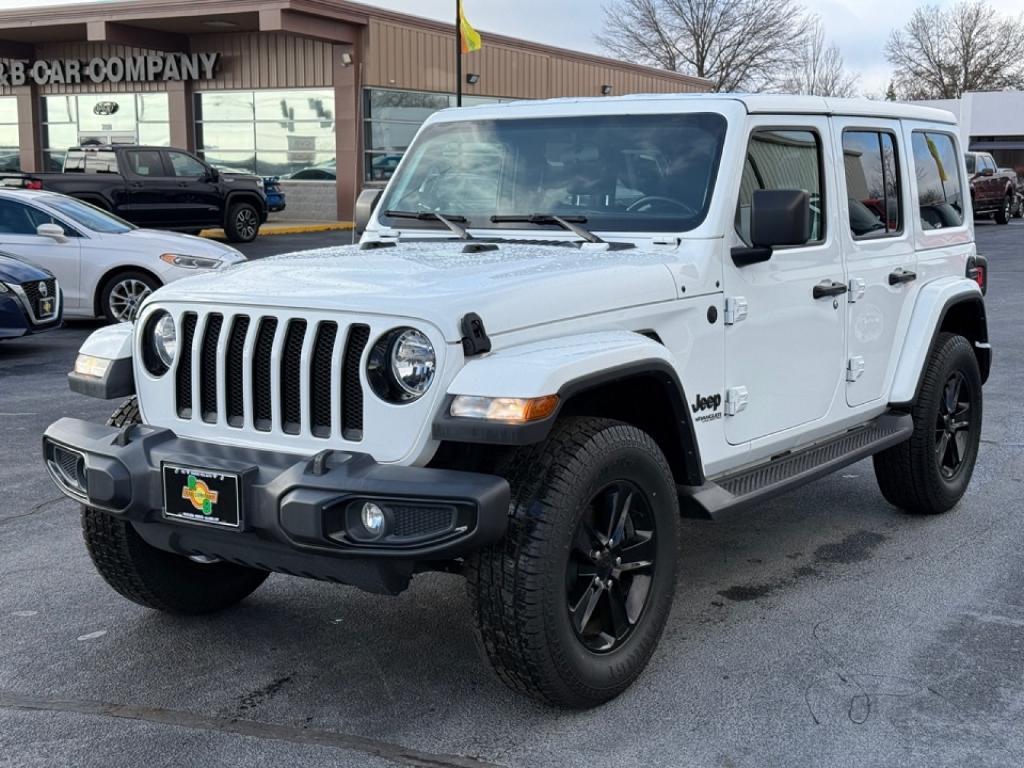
[939, 191]
[782, 159]
[38, 217]
[16, 218]
[872, 184]
[145, 163]
[186, 166]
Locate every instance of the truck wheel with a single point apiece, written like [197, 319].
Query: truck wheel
[929, 473]
[1018, 212]
[242, 224]
[570, 605]
[1002, 216]
[152, 577]
[123, 294]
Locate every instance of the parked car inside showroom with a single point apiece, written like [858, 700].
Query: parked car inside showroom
[105, 266]
[30, 299]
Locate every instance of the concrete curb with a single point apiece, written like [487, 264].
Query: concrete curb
[268, 230]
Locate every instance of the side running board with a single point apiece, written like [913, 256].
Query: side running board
[789, 470]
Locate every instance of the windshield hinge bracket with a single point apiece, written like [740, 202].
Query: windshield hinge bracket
[474, 338]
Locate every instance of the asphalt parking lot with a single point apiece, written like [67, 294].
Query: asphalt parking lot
[824, 628]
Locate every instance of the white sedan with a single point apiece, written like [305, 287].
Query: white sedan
[104, 265]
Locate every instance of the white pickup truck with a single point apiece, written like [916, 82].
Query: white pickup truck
[568, 323]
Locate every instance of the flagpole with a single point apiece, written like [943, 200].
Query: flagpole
[458, 53]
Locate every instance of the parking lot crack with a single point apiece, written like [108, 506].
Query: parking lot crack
[249, 728]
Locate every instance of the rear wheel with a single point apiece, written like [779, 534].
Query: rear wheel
[1018, 210]
[152, 577]
[122, 295]
[243, 223]
[1002, 216]
[570, 605]
[929, 473]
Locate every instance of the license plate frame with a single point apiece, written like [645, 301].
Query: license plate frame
[47, 307]
[202, 496]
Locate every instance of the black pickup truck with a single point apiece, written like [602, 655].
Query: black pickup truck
[160, 188]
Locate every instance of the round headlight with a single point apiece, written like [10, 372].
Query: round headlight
[401, 365]
[164, 339]
[413, 362]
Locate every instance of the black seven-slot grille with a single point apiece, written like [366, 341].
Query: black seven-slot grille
[303, 347]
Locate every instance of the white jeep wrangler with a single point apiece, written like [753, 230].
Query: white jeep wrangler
[568, 323]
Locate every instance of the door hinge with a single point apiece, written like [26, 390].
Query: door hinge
[736, 400]
[858, 287]
[854, 368]
[735, 310]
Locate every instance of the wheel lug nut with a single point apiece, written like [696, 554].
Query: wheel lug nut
[608, 584]
[618, 561]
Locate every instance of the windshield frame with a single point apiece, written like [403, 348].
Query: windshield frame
[609, 224]
[54, 204]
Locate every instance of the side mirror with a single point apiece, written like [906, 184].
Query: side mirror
[52, 231]
[778, 217]
[366, 204]
[988, 172]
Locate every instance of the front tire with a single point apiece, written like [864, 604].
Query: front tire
[242, 224]
[154, 578]
[570, 605]
[929, 473]
[122, 295]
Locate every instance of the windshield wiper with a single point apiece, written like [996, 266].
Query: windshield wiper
[451, 221]
[569, 223]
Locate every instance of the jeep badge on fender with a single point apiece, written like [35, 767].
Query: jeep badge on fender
[507, 378]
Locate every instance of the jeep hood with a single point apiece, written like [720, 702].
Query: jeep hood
[513, 286]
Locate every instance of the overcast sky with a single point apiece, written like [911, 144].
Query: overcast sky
[859, 27]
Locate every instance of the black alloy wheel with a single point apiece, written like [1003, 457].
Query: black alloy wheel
[611, 566]
[952, 427]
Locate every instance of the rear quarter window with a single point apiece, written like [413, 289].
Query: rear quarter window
[940, 196]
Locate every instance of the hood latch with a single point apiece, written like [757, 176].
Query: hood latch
[474, 338]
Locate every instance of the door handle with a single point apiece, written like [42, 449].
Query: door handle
[828, 288]
[901, 276]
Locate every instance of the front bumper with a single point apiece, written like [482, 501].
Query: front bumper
[295, 510]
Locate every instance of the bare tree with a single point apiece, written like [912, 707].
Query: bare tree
[737, 44]
[819, 69]
[941, 53]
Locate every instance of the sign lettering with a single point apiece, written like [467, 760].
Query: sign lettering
[151, 68]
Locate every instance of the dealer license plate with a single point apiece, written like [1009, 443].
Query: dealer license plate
[205, 496]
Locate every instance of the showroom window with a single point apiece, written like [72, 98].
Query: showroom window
[107, 118]
[10, 159]
[270, 133]
[391, 120]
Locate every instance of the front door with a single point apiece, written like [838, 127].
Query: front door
[197, 196]
[786, 356]
[880, 257]
[18, 237]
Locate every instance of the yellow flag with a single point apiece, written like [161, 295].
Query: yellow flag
[470, 37]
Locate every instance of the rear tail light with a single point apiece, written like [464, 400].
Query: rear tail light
[977, 270]
[33, 184]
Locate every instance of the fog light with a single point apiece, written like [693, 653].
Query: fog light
[373, 519]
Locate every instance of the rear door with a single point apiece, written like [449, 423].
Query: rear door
[787, 354]
[878, 248]
[198, 195]
[18, 223]
[152, 189]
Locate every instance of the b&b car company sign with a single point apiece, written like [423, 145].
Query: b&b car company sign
[148, 68]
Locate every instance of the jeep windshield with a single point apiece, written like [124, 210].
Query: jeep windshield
[619, 173]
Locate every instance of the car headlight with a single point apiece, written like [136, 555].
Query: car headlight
[401, 365]
[191, 262]
[160, 343]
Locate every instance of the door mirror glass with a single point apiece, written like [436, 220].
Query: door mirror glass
[987, 172]
[366, 204]
[53, 231]
[780, 217]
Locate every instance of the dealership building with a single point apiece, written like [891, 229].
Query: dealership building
[990, 121]
[323, 93]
